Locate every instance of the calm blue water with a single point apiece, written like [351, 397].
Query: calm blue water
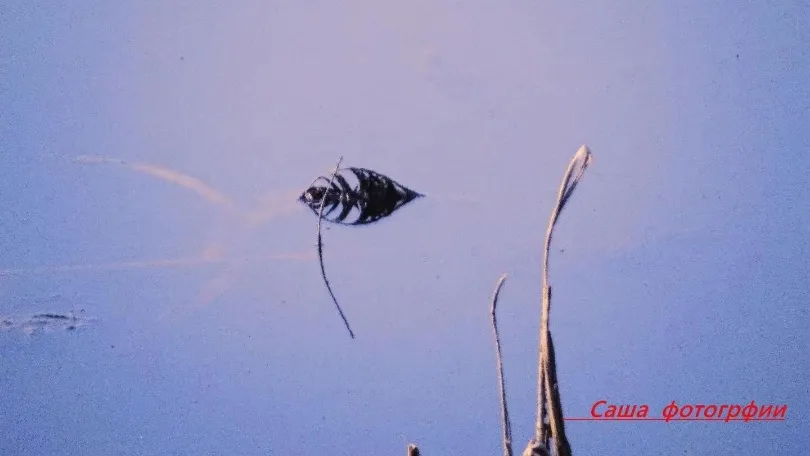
[679, 267]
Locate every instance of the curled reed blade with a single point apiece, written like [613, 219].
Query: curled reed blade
[548, 397]
[506, 424]
[374, 196]
[320, 252]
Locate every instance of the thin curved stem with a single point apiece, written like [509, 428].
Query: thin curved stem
[506, 424]
[548, 400]
[320, 252]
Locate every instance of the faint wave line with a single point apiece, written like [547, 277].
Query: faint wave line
[194, 184]
[272, 207]
[166, 263]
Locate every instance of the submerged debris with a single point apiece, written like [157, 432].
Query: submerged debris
[369, 194]
[46, 322]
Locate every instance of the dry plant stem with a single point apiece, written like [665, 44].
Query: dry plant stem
[505, 422]
[320, 253]
[548, 399]
[561, 445]
[533, 449]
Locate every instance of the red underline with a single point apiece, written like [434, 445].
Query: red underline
[673, 419]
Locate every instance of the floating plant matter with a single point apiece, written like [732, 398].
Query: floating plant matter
[371, 196]
[46, 322]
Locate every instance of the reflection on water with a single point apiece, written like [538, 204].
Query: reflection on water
[370, 195]
[246, 225]
[275, 208]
